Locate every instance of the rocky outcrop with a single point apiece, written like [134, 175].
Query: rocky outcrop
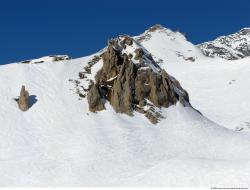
[231, 47]
[23, 100]
[95, 99]
[131, 80]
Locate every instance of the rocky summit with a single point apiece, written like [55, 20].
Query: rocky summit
[131, 81]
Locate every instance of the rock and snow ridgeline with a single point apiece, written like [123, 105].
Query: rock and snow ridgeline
[231, 47]
[47, 59]
[177, 46]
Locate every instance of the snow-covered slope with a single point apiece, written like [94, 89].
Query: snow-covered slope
[173, 44]
[217, 87]
[231, 47]
[58, 142]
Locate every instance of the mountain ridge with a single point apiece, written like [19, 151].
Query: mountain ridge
[233, 46]
[210, 48]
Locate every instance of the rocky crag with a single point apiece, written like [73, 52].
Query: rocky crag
[131, 81]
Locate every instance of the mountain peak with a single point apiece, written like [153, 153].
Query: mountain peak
[230, 47]
[155, 28]
[159, 29]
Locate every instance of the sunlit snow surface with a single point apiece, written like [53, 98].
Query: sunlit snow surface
[217, 87]
[58, 142]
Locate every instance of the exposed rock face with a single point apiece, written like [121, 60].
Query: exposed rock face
[95, 99]
[23, 101]
[231, 47]
[132, 81]
[122, 92]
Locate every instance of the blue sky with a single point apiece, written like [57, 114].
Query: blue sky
[30, 29]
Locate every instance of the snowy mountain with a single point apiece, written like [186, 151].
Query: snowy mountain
[231, 47]
[173, 43]
[86, 123]
[224, 81]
